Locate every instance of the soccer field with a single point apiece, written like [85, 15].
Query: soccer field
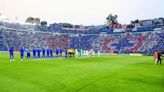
[94, 74]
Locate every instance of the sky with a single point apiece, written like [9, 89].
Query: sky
[85, 12]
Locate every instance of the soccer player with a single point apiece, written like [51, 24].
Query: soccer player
[155, 57]
[28, 53]
[43, 53]
[57, 52]
[51, 53]
[69, 52]
[98, 53]
[60, 51]
[48, 53]
[76, 52]
[66, 53]
[11, 51]
[38, 51]
[159, 58]
[87, 53]
[93, 53]
[34, 53]
[21, 53]
[73, 52]
[81, 52]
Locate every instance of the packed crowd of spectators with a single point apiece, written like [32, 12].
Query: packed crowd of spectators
[86, 42]
[146, 43]
[140, 42]
[31, 40]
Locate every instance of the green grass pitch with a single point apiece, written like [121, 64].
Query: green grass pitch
[95, 74]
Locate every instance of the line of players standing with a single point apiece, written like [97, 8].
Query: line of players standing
[37, 53]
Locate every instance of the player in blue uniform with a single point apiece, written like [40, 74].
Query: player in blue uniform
[34, 53]
[11, 51]
[28, 53]
[51, 53]
[66, 53]
[48, 53]
[38, 51]
[43, 53]
[60, 51]
[57, 52]
[21, 53]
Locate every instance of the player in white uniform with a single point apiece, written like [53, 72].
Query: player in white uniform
[87, 53]
[76, 53]
[98, 53]
[93, 53]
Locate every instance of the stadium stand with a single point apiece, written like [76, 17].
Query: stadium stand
[143, 42]
[123, 39]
